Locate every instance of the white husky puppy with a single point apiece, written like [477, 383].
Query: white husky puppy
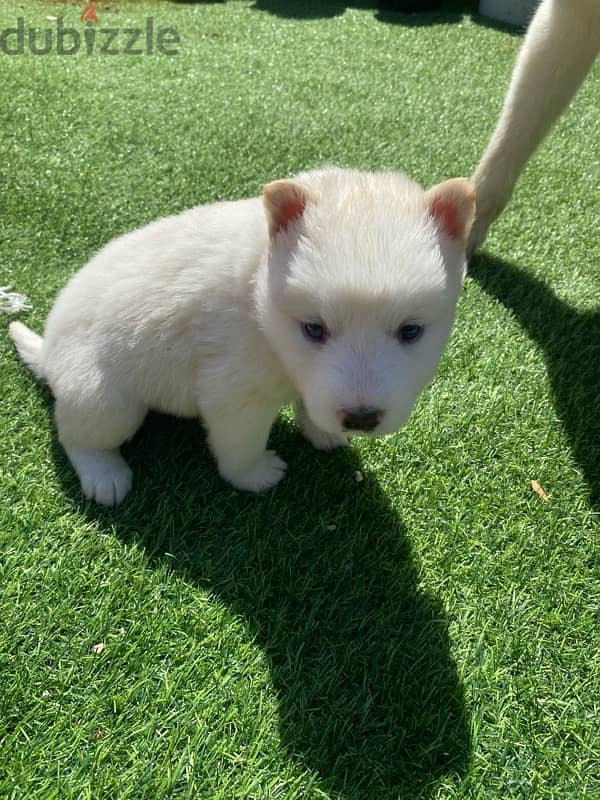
[559, 49]
[337, 291]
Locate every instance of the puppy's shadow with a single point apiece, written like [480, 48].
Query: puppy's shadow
[570, 343]
[321, 568]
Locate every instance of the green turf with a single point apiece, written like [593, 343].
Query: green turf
[431, 631]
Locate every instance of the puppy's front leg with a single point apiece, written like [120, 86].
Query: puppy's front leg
[317, 437]
[238, 437]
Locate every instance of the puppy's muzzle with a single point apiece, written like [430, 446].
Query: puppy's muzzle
[363, 418]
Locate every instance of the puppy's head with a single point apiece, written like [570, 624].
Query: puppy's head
[360, 289]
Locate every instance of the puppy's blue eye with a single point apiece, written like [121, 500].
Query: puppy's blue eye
[314, 331]
[410, 332]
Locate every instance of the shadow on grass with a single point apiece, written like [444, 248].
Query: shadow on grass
[400, 12]
[570, 342]
[410, 13]
[390, 11]
[369, 696]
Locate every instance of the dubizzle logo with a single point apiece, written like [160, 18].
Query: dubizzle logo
[89, 13]
[93, 39]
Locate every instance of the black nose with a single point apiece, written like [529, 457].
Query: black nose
[363, 418]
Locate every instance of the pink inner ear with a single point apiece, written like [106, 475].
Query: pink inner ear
[290, 209]
[447, 216]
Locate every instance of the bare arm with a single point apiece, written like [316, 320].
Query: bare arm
[560, 46]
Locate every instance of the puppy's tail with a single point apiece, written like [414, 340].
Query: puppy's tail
[29, 345]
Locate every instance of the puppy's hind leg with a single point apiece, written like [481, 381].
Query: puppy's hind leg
[104, 474]
[91, 436]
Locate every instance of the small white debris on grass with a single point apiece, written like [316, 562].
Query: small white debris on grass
[96, 649]
[12, 302]
[332, 528]
[358, 476]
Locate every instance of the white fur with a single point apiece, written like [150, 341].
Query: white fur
[558, 51]
[12, 302]
[200, 315]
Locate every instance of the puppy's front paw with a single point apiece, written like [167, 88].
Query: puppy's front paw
[325, 441]
[263, 474]
[317, 437]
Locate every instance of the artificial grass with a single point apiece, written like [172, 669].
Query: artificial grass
[430, 631]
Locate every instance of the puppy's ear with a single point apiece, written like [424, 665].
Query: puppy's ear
[285, 202]
[452, 205]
